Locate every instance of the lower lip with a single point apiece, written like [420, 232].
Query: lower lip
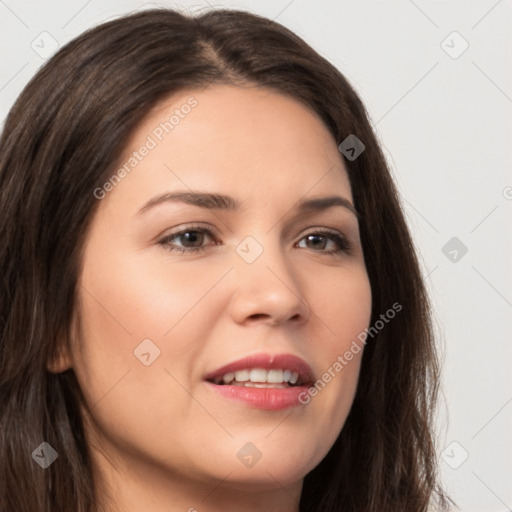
[271, 399]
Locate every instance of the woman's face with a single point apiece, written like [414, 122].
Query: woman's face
[270, 288]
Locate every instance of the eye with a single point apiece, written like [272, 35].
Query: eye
[319, 240]
[191, 238]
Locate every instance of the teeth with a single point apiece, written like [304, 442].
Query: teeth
[228, 378]
[259, 377]
[261, 385]
[241, 375]
[275, 376]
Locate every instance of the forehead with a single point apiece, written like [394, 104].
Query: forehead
[242, 141]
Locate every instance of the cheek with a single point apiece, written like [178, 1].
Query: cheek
[121, 311]
[128, 301]
[344, 313]
[341, 304]
[133, 298]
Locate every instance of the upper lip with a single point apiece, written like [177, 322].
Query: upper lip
[267, 362]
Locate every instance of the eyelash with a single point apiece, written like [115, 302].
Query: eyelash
[341, 241]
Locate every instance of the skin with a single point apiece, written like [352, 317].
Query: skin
[161, 440]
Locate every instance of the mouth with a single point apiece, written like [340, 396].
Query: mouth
[265, 381]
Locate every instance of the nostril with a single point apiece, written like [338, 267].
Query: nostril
[257, 316]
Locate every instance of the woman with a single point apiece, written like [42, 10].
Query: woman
[210, 298]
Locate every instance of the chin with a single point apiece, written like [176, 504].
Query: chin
[263, 469]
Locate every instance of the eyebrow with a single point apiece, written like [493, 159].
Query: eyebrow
[213, 201]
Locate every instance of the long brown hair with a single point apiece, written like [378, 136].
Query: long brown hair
[62, 140]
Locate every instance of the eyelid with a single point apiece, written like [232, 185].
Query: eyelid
[183, 228]
[323, 229]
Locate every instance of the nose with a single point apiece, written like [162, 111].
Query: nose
[268, 291]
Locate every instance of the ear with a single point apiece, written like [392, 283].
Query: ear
[60, 362]
[61, 358]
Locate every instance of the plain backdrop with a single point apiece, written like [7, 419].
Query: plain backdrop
[437, 83]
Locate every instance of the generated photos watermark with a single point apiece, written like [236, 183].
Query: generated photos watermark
[156, 136]
[355, 347]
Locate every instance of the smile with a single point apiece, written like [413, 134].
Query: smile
[263, 381]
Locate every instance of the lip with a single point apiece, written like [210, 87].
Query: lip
[264, 398]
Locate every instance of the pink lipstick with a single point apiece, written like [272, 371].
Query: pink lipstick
[263, 381]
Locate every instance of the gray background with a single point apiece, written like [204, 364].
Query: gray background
[444, 118]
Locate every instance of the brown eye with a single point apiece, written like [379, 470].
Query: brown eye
[318, 241]
[187, 240]
[191, 238]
